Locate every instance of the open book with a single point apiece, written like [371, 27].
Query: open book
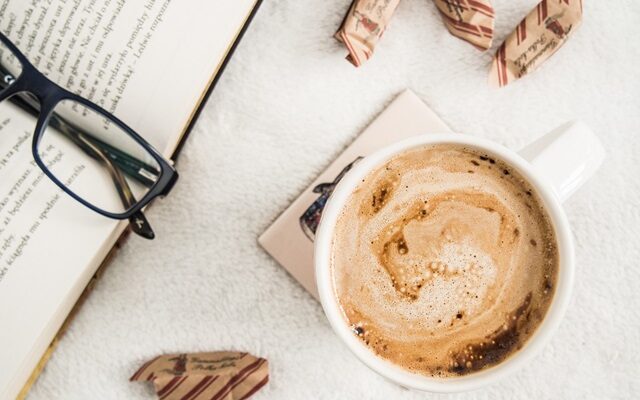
[149, 62]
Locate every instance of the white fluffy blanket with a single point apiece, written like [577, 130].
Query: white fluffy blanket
[287, 104]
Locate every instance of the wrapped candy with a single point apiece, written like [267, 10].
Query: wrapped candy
[222, 375]
[363, 27]
[536, 38]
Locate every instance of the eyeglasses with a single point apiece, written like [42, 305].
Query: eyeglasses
[85, 150]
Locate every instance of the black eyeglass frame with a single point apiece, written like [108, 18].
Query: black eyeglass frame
[50, 94]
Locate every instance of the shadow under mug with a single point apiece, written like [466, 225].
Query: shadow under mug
[556, 165]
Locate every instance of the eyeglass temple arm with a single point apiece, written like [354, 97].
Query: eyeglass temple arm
[138, 221]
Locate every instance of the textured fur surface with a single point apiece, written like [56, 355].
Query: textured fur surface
[286, 105]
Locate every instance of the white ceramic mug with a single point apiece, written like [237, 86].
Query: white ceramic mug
[556, 165]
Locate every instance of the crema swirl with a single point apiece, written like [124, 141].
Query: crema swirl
[444, 260]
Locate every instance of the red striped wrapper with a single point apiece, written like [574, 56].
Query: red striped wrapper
[470, 20]
[363, 27]
[212, 376]
[536, 38]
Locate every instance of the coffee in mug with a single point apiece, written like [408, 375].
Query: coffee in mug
[444, 260]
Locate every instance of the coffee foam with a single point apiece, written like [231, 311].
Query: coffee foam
[444, 261]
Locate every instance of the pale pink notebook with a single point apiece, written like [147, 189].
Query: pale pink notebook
[290, 238]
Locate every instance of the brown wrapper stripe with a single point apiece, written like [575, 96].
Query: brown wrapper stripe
[536, 38]
[200, 376]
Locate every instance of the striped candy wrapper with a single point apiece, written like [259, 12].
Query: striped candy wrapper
[363, 27]
[470, 20]
[538, 36]
[199, 376]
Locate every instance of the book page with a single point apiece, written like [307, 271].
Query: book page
[148, 62]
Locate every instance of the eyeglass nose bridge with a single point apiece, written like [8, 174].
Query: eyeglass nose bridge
[36, 83]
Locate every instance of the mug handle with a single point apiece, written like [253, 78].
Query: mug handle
[567, 157]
